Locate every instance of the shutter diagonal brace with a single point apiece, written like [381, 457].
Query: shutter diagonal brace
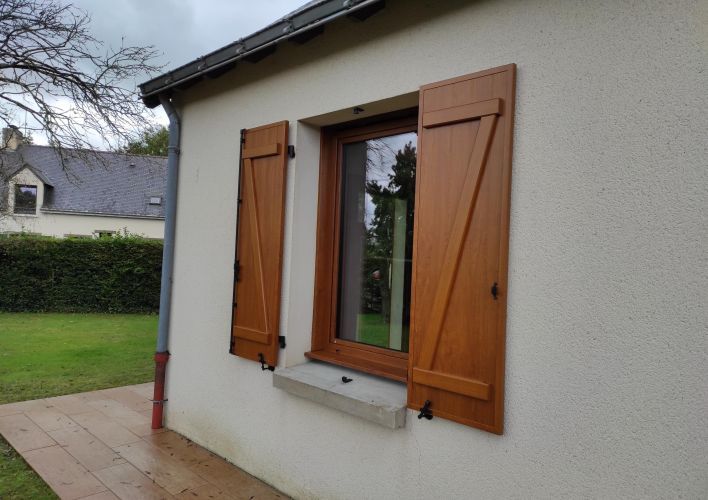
[256, 241]
[453, 252]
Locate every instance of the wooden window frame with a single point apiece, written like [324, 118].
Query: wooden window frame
[325, 344]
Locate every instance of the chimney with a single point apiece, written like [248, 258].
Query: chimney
[12, 138]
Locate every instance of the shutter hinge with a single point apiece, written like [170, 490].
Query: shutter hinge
[495, 290]
[291, 151]
[264, 365]
[425, 411]
[281, 341]
[237, 271]
[232, 344]
[243, 136]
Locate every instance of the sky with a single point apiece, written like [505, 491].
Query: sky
[180, 30]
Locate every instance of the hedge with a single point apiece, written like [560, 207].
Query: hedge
[115, 275]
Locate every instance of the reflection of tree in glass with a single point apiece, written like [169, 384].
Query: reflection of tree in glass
[400, 179]
[25, 199]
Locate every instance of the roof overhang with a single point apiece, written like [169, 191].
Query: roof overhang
[300, 27]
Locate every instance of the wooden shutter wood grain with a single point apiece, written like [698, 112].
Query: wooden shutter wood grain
[461, 248]
[259, 245]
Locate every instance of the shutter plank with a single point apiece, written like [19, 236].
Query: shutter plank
[451, 383]
[463, 175]
[252, 335]
[461, 113]
[259, 245]
[261, 151]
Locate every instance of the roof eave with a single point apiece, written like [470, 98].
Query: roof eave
[301, 27]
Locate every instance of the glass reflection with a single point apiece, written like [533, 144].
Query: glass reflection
[378, 191]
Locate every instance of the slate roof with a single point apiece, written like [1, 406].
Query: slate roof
[104, 183]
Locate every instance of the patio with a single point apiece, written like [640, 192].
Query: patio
[99, 445]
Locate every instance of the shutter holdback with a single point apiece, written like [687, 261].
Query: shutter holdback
[264, 366]
[425, 411]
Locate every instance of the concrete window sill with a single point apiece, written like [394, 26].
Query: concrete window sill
[366, 396]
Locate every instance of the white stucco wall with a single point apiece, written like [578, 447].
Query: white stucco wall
[607, 363]
[61, 225]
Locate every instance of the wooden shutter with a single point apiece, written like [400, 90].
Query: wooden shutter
[259, 242]
[461, 245]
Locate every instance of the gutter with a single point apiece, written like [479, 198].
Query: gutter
[300, 27]
[162, 355]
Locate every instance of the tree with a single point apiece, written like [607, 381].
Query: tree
[379, 233]
[62, 79]
[152, 141]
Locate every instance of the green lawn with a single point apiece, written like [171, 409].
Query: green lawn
[373, 329]
[44, 355]
[51, 354]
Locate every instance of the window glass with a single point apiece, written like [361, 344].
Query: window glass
[25, 199]
[378, 188]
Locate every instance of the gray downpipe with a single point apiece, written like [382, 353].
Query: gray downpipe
[163, 327]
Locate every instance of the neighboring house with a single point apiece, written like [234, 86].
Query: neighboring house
[390, 269]
[90, 195]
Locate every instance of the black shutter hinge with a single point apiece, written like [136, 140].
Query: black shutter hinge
[243, 136]
[495, 290]
[425, 411]
[264, 366]
[346, 379]
[232, 344]
[281, 341]
[237, 271]
[291, 151]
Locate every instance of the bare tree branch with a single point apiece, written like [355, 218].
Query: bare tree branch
[69, 86]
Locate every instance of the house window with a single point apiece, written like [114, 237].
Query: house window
[376, 231]
[362, 309]
[105, 234]
[25, 199]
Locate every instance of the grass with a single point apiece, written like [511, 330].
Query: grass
[17, 479]
[43, 355]
[373, 330]
[51, 354]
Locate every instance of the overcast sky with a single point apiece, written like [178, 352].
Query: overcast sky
[181, 30]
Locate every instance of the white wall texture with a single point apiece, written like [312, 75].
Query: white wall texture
[61, 225]
[607, 359]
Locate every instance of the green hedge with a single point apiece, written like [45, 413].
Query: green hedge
[116, 275]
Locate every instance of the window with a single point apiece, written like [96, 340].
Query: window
[104, 233]
[25, 199]
[424, 305]
[368, 184]
[376, 233]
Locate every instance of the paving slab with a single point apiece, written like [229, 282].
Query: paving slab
[99, 446]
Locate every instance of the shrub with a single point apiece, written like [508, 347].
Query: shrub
[117, 275]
